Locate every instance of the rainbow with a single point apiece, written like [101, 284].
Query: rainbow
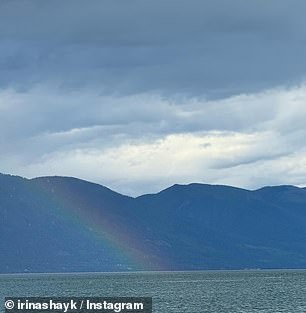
[116, 237]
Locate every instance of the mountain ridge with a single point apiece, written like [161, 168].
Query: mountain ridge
[153, 193]
[65, 224]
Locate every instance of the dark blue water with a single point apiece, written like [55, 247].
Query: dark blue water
[188, 292]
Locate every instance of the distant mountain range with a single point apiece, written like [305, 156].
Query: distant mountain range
[61, 224]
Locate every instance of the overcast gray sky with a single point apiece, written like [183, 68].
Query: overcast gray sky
[138, 95]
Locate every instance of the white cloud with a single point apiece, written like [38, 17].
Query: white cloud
[143, 143]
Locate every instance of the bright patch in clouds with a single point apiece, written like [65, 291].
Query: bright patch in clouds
[143, 143]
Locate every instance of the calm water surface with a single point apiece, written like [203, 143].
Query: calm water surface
[188, 292]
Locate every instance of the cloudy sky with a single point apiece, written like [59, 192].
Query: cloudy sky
[138, 95]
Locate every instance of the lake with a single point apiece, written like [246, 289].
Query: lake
[177, 292]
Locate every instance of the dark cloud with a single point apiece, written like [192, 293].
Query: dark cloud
[214, 48]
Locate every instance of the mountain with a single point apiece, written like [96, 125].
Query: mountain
[63, 224]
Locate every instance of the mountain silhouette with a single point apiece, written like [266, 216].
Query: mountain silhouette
[64, 224]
